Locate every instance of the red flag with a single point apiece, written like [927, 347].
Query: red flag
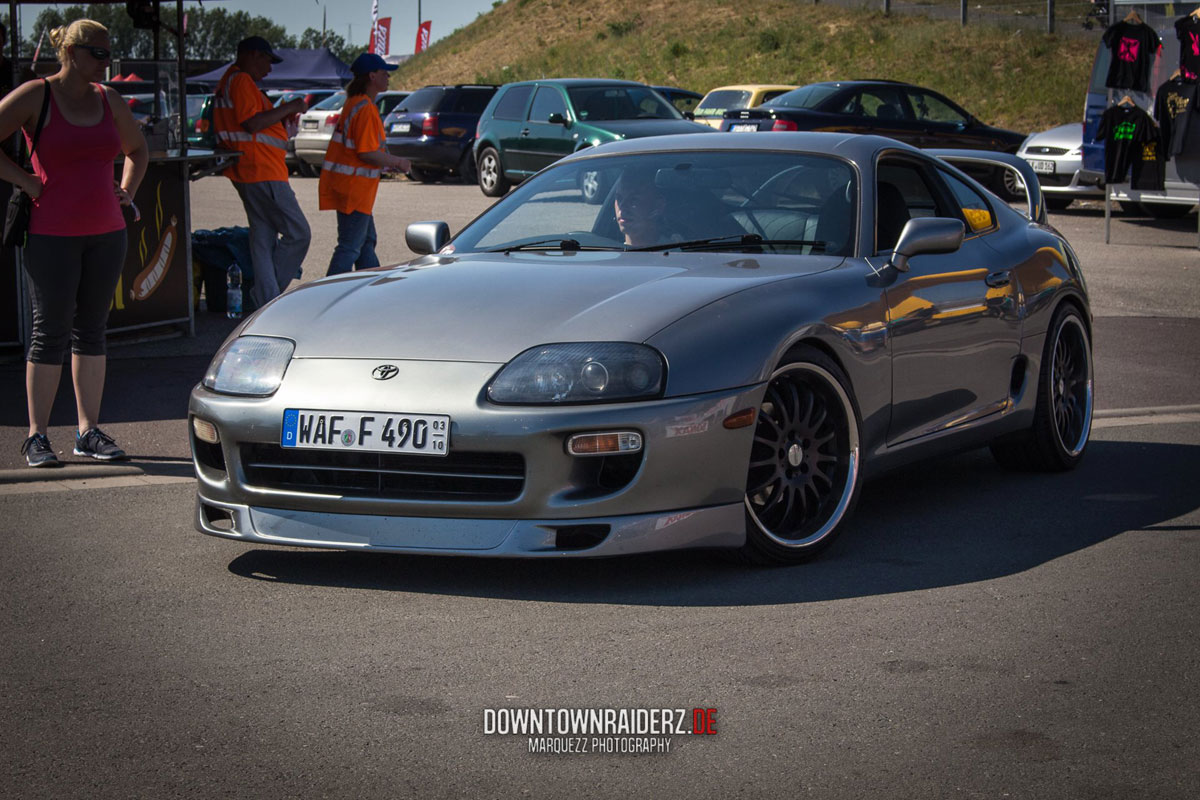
[381, 38]
[422, 36]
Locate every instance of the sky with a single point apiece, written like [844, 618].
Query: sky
[350, 19]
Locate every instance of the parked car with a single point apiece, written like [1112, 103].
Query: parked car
[1056, 156]
[434, 127]
[712, 107]
[811, 313]
[684, 101]
[920, 117]
[531, 124]
[386, 101]
[200, 131]
[291, 124]
[315, 129]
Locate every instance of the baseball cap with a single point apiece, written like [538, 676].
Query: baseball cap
[260, 44]
[369, 62]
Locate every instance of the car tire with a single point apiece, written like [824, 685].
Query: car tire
[1056, 202]
[422, 175]
[1006, 186]
[491, 173]
[307, 170]
[805, 463]
[594, 185]
[1062, 418]
[1165, 210]
[466, 168]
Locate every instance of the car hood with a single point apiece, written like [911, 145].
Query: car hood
[637, 128]
[1068, 136]
[490, 307]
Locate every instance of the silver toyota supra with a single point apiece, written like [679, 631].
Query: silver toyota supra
[714, 356]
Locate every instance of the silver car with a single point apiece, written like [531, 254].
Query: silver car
[314, 132]
[715, 356]
[1056, 156]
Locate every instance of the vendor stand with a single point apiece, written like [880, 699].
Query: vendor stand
[155, 288]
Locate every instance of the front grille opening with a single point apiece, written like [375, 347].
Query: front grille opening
[218, 518]
[579, 537]
[462, 476]
[596, 476]
[208, 454]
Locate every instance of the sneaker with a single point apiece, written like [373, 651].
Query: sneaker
[38, 452]
[99, 445]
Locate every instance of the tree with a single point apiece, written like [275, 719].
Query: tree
[212, 33]
[311, 39]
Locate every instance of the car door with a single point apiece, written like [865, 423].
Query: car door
[943, 124]
[506, 126]
[881, 110]
[953, 319]
[544, 141]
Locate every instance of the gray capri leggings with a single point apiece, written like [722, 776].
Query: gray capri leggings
[71, 283]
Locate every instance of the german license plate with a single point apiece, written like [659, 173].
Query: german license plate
[308, 124]
[1042, 167]
[745, 126]
[401, 127]
[376, 431]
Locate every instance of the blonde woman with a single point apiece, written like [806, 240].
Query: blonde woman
[76, 243]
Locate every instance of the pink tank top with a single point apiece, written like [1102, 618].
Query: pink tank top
[75, 163]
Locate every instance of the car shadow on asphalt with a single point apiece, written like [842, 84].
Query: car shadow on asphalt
[944, 523]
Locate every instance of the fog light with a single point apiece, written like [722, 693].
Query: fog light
[604, 444]
[205, 431]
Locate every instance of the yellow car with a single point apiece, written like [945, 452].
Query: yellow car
[723, 98]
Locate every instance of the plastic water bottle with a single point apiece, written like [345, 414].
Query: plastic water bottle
[233, 292]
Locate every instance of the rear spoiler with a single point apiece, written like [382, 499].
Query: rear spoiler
[1036, 208]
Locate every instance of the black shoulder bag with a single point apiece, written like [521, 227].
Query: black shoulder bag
[20, 205]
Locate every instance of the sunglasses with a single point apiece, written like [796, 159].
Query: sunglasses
[98, 53]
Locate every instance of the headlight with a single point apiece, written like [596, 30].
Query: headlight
[583, 372]
[250, 365]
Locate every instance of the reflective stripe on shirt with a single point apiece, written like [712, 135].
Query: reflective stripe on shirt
[346, 169]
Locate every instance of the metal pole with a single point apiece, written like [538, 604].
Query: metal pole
[963, 12]
[1049, 16]
[887, 7]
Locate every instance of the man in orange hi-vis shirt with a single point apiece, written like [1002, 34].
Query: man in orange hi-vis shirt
[353, 164]
[246, 121]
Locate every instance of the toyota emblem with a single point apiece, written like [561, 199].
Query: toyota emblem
[385, 372]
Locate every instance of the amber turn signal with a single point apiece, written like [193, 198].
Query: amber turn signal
[604, 444]
[205, 431]
[741, 419]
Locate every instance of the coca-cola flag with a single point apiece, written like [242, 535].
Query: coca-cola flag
[381, 37]
[422, 36]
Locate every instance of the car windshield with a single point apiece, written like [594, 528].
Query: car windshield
[804, 97]
[331, 103]
[601, 103]
[195, 103]
[717, 103]
[760, 202]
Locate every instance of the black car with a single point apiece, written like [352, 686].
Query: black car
[434, 127]
[920, 117]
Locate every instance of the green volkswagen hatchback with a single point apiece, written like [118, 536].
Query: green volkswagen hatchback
[531, 124]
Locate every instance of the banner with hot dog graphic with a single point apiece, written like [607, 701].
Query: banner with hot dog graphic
[154, 285]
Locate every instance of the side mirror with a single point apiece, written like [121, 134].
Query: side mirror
[424, 238]
[928, 235]
[556, 119]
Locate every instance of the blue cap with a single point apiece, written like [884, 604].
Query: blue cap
[369, 62]
[260, 44]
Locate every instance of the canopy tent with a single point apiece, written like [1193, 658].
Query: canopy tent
[300, 69]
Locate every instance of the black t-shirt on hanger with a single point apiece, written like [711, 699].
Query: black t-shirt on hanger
[1123, 129]
[1134, 46]
[1149, 169]
[1173, 104]
[1188, 30]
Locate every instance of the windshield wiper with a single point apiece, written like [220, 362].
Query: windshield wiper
[559, 243]
[736, 240]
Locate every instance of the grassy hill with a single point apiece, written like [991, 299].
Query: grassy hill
[1022, 80]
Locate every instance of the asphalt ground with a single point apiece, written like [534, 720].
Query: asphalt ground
[976, 633]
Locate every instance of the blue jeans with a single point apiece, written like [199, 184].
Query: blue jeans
[355, 244]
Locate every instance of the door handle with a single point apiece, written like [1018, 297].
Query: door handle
[525, 132]
[997, 279]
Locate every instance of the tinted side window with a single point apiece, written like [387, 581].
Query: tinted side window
[547, 101]
[933, 108]
[974, 208]
[901, 193]
[512, 103]
[473, 101]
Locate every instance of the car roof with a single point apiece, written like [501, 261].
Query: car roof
[857, 147]
[753, 87]
[574, 82]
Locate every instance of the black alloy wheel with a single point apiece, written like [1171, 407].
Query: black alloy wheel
[1062, 420]
[804, 474]
[491, 173]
